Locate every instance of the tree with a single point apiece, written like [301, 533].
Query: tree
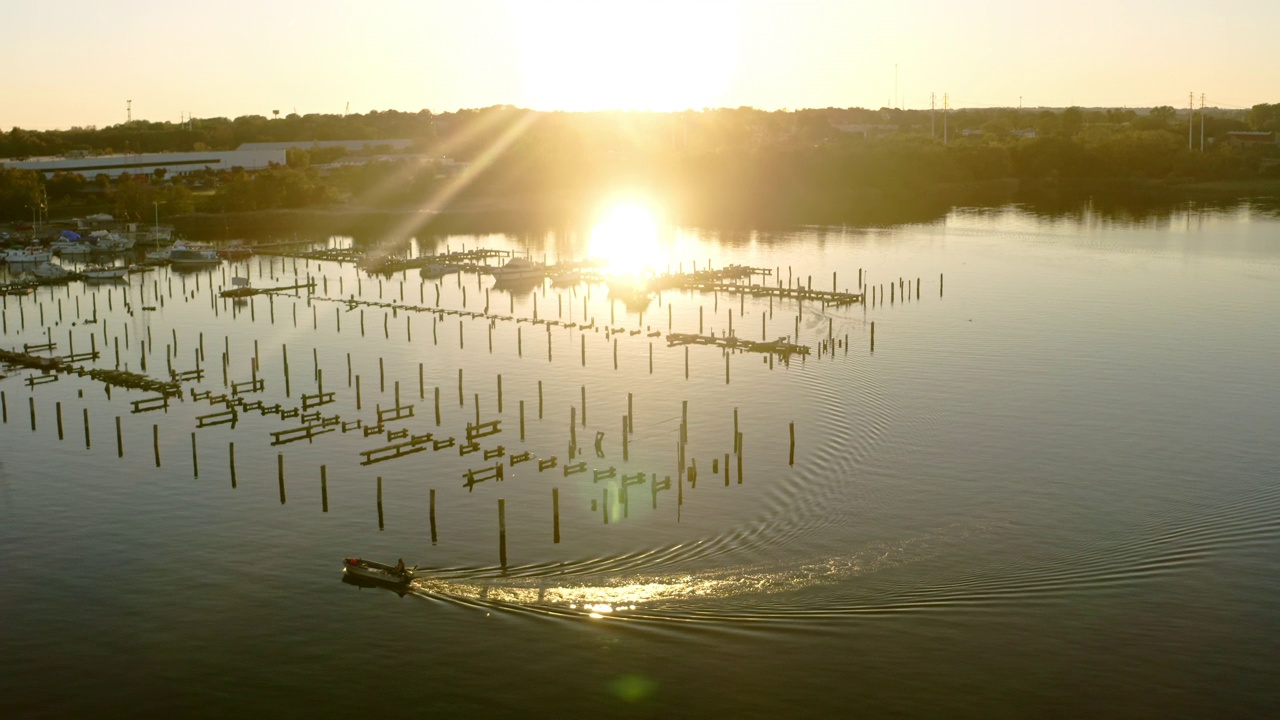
[1072, 121]
[1265, 117]
[1161, 117]
[64, 185]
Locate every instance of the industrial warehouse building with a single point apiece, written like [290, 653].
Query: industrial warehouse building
[250, 156]
[90, 166]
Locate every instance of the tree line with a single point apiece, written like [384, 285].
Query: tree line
[816, 164]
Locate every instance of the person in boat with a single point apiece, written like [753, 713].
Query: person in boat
[400, 567]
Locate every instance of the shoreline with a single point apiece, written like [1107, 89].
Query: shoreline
[861, 207]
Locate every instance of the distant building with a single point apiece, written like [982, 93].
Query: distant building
[348, 145]
[1252, 139]
[866, 130]
[147, 163]
[250, 156]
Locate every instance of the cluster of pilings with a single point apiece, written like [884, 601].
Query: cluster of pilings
[394, 432]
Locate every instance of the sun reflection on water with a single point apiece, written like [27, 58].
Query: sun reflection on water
[626, 240]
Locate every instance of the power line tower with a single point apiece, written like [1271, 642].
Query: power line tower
[128, 117]
[932, 132]
[1201, 122]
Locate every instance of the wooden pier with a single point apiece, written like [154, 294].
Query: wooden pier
[777, 347]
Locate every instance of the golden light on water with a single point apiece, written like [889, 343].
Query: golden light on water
[626, 241]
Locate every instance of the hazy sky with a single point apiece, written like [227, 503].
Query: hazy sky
[77, 62]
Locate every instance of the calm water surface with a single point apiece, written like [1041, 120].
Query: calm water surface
[1051, 490]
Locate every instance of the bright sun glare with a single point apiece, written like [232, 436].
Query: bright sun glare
[626, 241]
[598, 55]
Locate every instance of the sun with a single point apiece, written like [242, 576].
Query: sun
[626, 55]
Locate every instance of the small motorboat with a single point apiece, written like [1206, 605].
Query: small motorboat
[520, 269]
[105, 272]
[237, 250]
[192, 255]
[378, 572]
[49, 271]
[31, 254]
[437, 270]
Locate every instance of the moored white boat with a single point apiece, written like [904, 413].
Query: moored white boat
[520, 269]
[49, 271]
[31, 254]
[378, 572]
[237, 250]
[435, 270]
[192, 255]
[105, 272]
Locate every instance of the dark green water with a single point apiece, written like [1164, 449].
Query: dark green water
[1050, 491]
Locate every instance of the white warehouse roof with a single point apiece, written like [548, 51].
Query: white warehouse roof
[148, 163]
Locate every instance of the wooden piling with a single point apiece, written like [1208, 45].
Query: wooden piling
[624, 438]
[437, 395]
[324, 489]
[231, 454]
[284, 352]
[555, 515]
[382, 376]
[461, 400]
[791, 457]
[499, 393]
[573, 432]
[539, 399]
[280, 474]
[502, 532]
[739, 456]
[684, 421]
[155, 442]
[873, 336]
[357, 392]
[57, 409]
[432, 516]
[86, 427]
[4, 408]
[119, 439]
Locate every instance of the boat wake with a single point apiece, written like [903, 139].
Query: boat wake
[597, 588]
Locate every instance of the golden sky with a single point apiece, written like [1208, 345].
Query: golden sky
[77, 62]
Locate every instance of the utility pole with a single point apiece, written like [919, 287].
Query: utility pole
[945, 104]
[128, 111]
[932, 132]
[1201, 122]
